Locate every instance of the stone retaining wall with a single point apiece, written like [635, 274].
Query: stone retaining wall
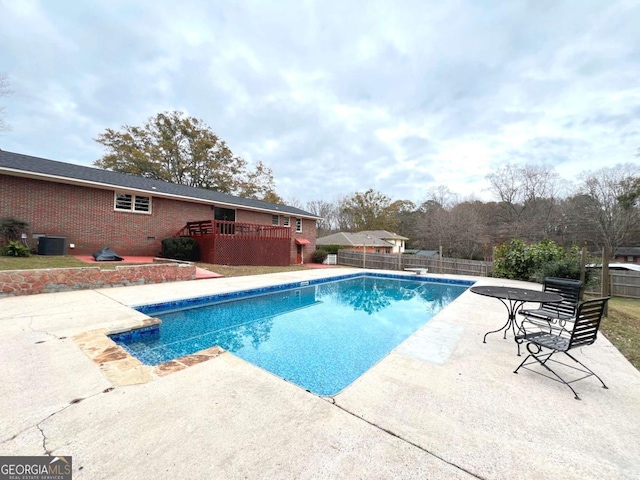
[29, 282]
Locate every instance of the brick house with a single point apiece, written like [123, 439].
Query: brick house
[372, 241]
[627, 255]
[94, 208]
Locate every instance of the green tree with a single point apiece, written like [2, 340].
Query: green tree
[182, 149]
[631, 195]
[369, 211]
[405, 213]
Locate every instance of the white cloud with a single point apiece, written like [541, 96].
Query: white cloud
[334, 97]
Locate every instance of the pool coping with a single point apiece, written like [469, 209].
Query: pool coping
[122, 368]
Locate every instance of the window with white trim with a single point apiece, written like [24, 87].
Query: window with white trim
[125, 202]
[298, 225]
[286, 221]
[275, 220]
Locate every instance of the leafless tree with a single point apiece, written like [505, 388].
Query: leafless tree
[442, 195]
[597, 213]
[468, 231]
[527, 199]
[327, 211]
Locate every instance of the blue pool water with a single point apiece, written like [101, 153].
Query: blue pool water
[320, 337]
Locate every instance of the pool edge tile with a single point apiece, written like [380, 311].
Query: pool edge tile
[121, 368]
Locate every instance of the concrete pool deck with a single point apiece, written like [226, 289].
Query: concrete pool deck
[441, 405]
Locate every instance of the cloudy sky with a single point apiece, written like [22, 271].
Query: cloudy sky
[336, 97]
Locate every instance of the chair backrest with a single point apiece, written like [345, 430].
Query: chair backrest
[569, 289]
[587, 322]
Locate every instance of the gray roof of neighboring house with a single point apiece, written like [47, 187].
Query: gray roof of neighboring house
[633, 251]
[424, 253]
[352, 239]
[383, 234]
[35, 167]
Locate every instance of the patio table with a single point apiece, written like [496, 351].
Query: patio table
[513, 299]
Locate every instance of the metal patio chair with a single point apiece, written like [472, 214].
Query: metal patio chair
[560, 340]
[548, 315]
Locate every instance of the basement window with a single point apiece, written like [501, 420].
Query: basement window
[125, 202]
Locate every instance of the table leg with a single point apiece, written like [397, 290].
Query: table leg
[505, 327]
[512, 308]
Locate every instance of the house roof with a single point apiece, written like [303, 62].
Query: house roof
[632, 251]
[424, 253]
[352, 239]
[383, 234]
[39, 168]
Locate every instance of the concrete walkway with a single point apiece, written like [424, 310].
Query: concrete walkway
[441, 405]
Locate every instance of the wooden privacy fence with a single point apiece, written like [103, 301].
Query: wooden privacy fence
[383, 261]
[623, 283]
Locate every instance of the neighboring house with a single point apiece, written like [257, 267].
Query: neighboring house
[94, 208]
[627, 254]
[423, 253]
[398, 241]
[357, 241]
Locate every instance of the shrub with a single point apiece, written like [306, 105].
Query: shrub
[12, 229]
[333, 249]
[534, 262]
[181, 248]
[15, 249]
[318, 256]
[510, 261]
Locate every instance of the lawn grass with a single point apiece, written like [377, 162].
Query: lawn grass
[40, 261]
[244, 270]
[621, 327]
[35, 262]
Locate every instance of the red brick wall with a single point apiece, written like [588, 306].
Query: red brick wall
[369, 249]
[625, 259]
[86, 217]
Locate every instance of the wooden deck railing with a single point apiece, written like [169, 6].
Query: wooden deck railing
[235, 243]
[238, 229]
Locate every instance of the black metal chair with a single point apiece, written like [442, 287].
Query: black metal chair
[549, 314]
[560, 340]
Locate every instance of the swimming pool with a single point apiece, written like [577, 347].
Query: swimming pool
[320, 335]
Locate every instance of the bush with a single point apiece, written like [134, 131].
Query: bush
[15, 249]
[318, 256]
[510, 261]
[12, 229]
[333, 249]
[517, 261]
[181, 248]
[566, 267]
